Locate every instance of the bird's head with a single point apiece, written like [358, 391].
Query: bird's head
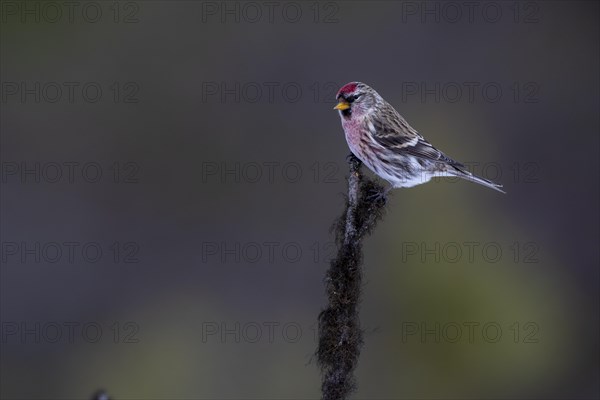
[355, 98]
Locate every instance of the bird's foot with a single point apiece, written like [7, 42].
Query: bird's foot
[354, 162]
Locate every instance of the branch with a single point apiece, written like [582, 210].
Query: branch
[100, 395]
[340, 336]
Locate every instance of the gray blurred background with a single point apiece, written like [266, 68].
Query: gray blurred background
[170, 172]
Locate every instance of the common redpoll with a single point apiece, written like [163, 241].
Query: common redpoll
[378, 135]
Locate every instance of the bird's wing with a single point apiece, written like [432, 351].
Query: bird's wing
[394, 133]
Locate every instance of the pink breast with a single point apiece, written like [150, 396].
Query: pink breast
[353, 131]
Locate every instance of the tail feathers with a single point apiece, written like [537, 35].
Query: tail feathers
[473, 178]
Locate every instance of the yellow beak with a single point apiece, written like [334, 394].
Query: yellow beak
[342, 105]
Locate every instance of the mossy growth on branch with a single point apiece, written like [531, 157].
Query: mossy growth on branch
[340, 334]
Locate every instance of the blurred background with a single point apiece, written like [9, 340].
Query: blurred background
[171, 170]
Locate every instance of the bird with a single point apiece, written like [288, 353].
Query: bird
[382, 139]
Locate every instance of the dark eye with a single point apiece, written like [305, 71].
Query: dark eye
[351, 99]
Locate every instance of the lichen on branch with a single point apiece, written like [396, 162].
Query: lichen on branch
[340, 334]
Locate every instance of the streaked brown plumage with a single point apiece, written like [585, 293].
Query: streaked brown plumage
[378, 135]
